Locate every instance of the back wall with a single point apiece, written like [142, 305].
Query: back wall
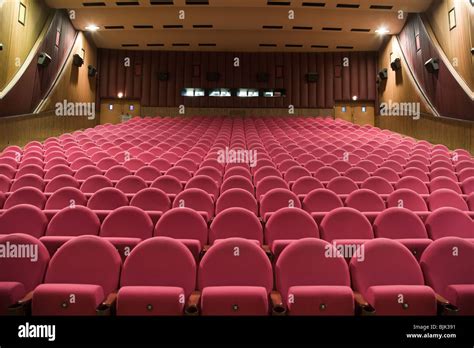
[140, 80]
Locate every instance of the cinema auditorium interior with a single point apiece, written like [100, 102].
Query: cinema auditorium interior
[229, 158]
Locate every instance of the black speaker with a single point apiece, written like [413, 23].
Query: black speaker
[312, 77]
[44, 59]
[383, 74]
[396, 64]
[92, 71]
[163, 76]
[77, 60]
[263, 77]
[432, 65]
[213, 76]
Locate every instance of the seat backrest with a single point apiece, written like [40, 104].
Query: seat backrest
[448, 261]
[305, 262]
[28, 270]
[449, 221]
[95, 183]
[365, 201]
[28, 180]
[412, 183]
[403, 268]
[87, 172]
[297, 172]
[131, 184]
[345, 223]
[378, 184]
[326, 174]
[57, 170]
[60, 182]
[204, 183]
[127, 222]
[406, 198]
[148, 173]
[290, 223]
[276, 199]
[75, 221]
[168, 184]
[86, 260]
[117, 172]
[236, 197]
[196, 199]
[238, 171]
[446, 198]
[65, 197]
[342, 185]
[357, 174]
[235, 262]
[399, 223]
[417, 173]
[182, 223]
[387, 173]
[151, 199]
[321, 200]
[160, 261]
[269, 183]
[442, 182]
[264, 172]
[236, 222]
[26, 195]
[25, 219]
[107, 199]
[179, 173]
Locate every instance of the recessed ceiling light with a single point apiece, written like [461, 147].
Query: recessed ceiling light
[92, 27]
[382, 31]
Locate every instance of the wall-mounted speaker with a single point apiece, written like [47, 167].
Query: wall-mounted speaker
[312, 77]
[432, 65]
[163, 76]
[77, 60]
[383, 74]
[92, 71]
[263, 77]
[396, 64]
[213, 76]
[44, 59]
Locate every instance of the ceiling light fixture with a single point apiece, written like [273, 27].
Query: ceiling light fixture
[92, 27]
[382, 31]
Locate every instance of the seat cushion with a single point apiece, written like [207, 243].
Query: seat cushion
[66, 299]
[151, 300]
[234, 300]
[10, 293]
[320, 300]
[402, 299]
[462, 296]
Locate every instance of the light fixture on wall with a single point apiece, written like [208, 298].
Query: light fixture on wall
[355, 98]
[120, 95]
[382, 31]
[92, 27]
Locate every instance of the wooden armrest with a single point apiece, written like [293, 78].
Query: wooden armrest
[278, 308]
[363, 307]
[107, 307]
[192, 307]
[22, 307]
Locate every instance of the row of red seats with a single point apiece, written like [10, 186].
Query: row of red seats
[235, 277]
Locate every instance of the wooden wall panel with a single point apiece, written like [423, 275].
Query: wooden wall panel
[356, 79]
[442, 89]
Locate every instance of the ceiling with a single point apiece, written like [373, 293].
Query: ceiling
[241, 25]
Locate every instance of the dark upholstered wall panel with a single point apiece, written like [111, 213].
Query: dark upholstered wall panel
[189, 69]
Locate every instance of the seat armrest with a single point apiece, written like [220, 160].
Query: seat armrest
[192, 307]
[278, 308]
[362, 306]
[445, 307]
[22, 307]
[107, 307]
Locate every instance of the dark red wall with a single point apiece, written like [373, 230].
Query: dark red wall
[25, 96]
[442, 89]
[140, 81]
